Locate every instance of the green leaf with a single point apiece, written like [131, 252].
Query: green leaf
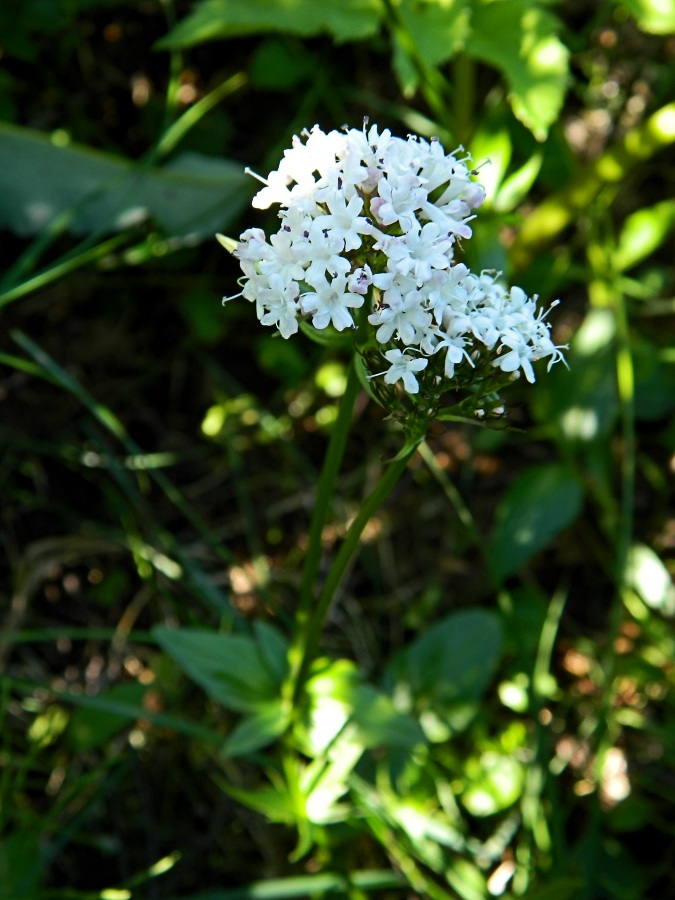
[379, 723]
[453, 661]
[326, 337]
[538, 506]
[101, 192]
[21, 873]
[258, 730]
[520, 39]
[643, 232]
[229, 668]
[438, 30]
[653, 16]
[273, 650]
[90, 728]
[344, 20]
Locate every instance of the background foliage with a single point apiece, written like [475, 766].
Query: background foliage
[493, 713]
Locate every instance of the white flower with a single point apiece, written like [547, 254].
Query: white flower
[403, 367]
[368, 219]
[329, 302]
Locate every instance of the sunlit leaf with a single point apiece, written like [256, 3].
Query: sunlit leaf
[100, 192]
[519, 38]
[653, 16]
[643, 232]
[344, 20]
[538, 506]
[437, 28]
[649, 578]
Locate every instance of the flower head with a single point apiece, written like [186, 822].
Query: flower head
[370, 225]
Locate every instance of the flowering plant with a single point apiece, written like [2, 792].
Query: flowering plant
[370, 225]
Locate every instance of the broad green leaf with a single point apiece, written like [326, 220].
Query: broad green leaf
[452, 662]
[537, 507]
[643, 232]
[90, 728]
[258, 730]
[520, 39]
[343, 20]
[228, 667]
[40, 181]
[437, 29]
[653, 16]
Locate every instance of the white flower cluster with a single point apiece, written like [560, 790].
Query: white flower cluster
[367, 217]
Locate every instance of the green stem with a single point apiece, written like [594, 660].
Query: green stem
[309, 629]
[322, 503]
[63, 268]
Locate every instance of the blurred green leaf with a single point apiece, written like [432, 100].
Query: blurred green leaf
[256, 731]
[452, 662]
[337, 697]
[229, 668]
[653, 16]
[654, 382]
[90, 728]
[643, 232]
[275, 66]
[520, 39]
[438, 30]
[20, 869]
[538, 506]
[344, 20]
[40, 180]
[273, 650]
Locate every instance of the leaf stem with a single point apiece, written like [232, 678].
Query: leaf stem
[309, 627]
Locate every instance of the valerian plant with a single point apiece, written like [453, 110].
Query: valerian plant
[371, 226]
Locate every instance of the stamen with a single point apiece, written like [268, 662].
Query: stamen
[248, 171]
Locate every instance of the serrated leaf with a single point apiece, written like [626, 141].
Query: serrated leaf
[344, 20]
[540, 504]
[228, 667]
[520, 39]
[39, 181]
